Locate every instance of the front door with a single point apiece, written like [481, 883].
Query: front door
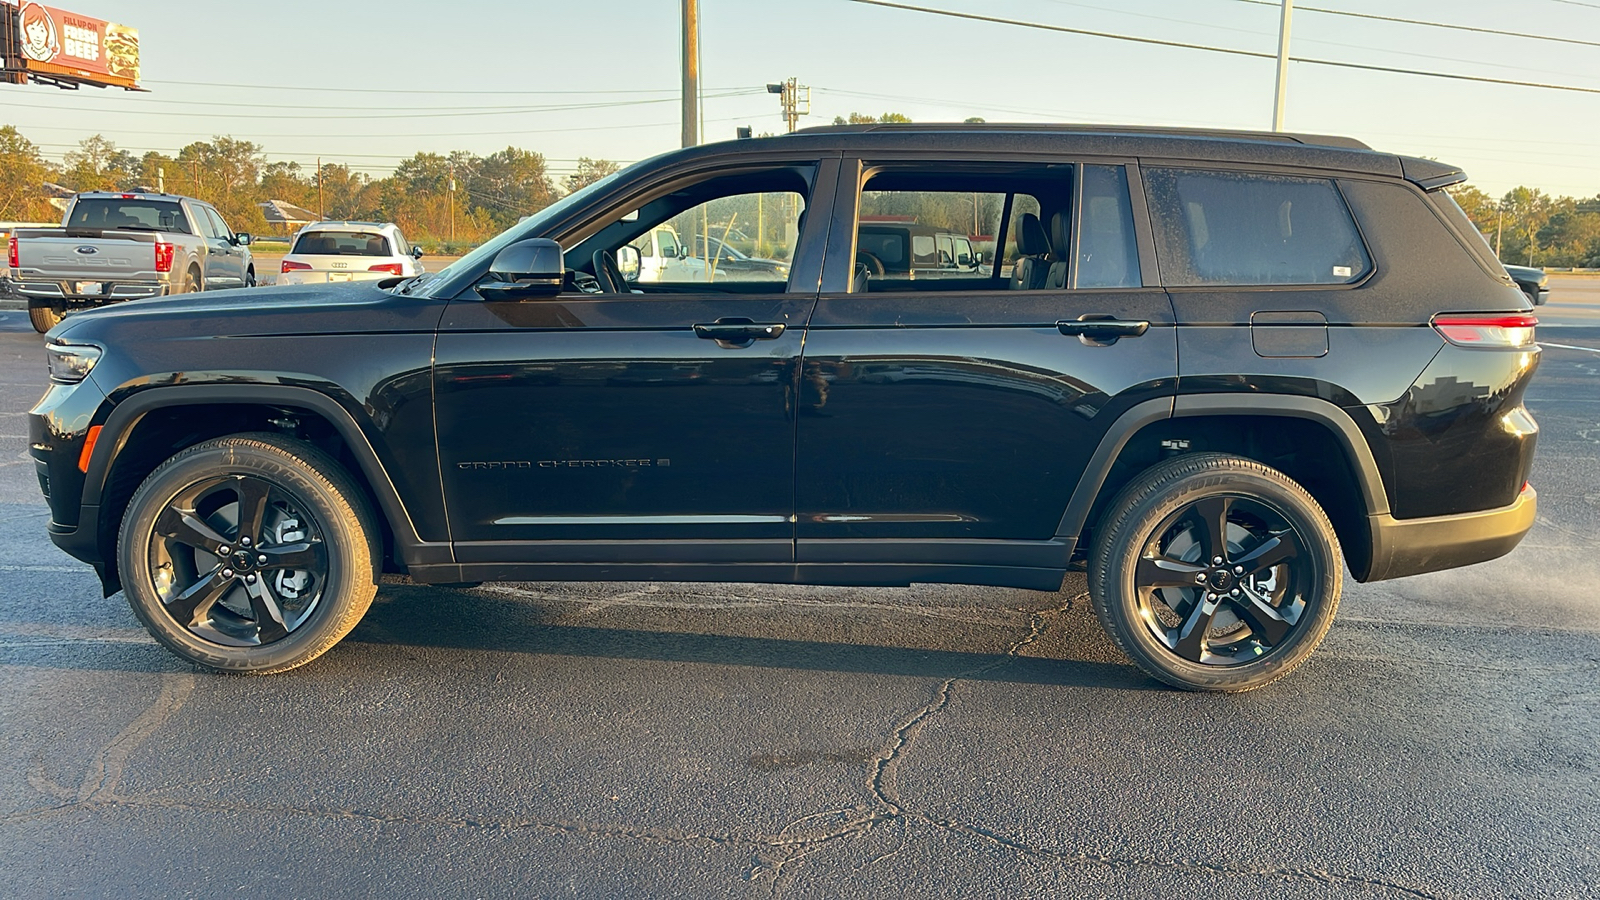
[663, 414]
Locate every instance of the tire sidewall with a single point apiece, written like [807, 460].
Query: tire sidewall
[1112, 578]
[349, 553]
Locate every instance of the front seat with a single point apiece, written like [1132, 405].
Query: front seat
[1060, 238]
[1033, 255]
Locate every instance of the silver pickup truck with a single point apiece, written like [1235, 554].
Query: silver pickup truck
[123, 246]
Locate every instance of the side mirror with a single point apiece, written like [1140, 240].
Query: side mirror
[416, 252]
[524, 270]
[977, 258]
[964, 260]
[628, 262]
[243, 238]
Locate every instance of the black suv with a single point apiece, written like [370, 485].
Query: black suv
[1201, 365]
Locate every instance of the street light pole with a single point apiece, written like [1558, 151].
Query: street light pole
[1281, 94]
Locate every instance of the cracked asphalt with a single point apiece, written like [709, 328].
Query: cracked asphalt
[639, 740]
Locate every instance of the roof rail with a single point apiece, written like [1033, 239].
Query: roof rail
[1321, 140]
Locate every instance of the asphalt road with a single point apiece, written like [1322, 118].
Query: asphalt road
[636, 740]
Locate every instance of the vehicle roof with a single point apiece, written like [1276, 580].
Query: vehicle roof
[133, 195]
[1147, 142]
[346, 225]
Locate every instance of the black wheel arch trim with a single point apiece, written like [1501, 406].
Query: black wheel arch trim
[127, 414]
[1375, 496]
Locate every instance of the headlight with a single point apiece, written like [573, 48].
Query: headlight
[70, 363]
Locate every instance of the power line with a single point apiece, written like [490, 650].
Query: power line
[345, 90]
[1356, 15]
[1578, 3]
[389, 116]
[1229, 50]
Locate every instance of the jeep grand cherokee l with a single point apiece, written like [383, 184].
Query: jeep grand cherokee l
[1214, 369]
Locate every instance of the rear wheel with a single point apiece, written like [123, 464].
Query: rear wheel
[194, 284]
[249, 554]
[1217, 573]
[44, 316]
[250, 277]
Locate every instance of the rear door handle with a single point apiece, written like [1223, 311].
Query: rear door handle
[1101, 330]
[735, 333]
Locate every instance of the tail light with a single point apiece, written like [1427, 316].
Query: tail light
[13, 256]
[1492, 331]
[391, 268]
[163, 256]
[290, 265]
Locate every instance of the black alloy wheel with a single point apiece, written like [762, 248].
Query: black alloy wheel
[250, 554]
[1216, 573]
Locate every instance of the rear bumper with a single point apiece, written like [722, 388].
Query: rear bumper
[110, 291]
[1403, 547]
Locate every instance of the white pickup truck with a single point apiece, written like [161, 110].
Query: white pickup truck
[114, 246]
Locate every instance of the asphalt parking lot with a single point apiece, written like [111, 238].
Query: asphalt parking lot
[639, 740]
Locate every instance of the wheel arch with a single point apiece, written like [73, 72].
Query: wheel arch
[1328, 455]
[144, 430]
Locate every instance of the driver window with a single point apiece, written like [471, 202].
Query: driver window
[743, 238]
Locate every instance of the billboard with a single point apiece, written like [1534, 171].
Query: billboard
[66, 46]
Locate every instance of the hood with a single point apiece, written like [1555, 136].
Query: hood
[353, 307]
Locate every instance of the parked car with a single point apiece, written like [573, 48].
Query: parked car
[1233, 365]
[349, 251]
[906, 250]
[1533, 282]
[124, 246]
[728, 263]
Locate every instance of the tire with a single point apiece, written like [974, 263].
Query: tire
[229, 612]
[44, 316]
[1152, 573]
[194, 283]
[250, 277]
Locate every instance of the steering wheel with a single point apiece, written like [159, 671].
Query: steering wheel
[608, 273]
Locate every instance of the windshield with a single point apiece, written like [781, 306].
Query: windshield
[529, 226]
[130, 214]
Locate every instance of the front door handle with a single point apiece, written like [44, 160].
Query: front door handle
[1101, 330]
[735, 333]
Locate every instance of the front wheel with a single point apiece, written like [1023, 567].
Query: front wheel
[249, 554]
[1216, 573]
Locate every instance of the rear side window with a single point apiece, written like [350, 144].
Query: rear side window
[130, 215]
[1222, 228]
[342, 243]
[1107, 254]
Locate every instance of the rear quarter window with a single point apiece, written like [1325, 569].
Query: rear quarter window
[1242, 228]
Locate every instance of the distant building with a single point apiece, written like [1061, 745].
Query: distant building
[286, 214]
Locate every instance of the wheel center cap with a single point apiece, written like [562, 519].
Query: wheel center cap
[243, 561]
[1221, 579]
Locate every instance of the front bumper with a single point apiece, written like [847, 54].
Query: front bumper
[1403, 547]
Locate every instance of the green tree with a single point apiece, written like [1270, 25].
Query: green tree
[22, 176]
[589, 171]
[856, 118]
[97, 165]
[225, 172]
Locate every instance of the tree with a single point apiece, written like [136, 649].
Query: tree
[589, 171]
[1527, 210]
[97, 165]
[864, 119]
[510, 184]
[22, 177]
[226, 172]
[973, 120]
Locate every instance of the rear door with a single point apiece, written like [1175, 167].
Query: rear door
[217, 269]
[941, 418]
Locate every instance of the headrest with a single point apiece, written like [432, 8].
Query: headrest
[1031, 239]
[1060, 232]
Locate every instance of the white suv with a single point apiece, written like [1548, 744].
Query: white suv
[349, 251]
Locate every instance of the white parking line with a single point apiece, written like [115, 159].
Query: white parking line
[1569, 347]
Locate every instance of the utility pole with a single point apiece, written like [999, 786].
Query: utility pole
[1280, 95]
[322, 208]
[452, 204]
[789, 96]
[1499, 216]
[161, 179]
[691, 72]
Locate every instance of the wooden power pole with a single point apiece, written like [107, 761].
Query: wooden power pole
[691, 72]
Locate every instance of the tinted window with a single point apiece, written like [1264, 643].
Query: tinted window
[134, 215]
[342, 243]
[1107, 254]
[1243, 228]
[220, 226]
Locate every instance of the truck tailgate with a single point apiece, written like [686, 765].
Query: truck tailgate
[86, 255]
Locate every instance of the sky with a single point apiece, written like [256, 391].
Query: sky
[370, 84]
